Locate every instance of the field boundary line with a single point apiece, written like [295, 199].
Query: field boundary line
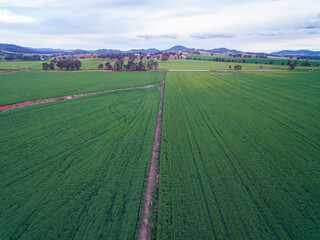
[144, 230]
[8, 107]
[188, 70]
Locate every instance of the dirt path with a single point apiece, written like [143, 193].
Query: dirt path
[146, 212]
[39, 101]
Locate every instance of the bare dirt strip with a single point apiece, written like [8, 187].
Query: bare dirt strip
[144, 231]
[39, 101]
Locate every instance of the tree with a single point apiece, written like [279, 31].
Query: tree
[129, 66]
[150, 65]
[156, 64]
[61, 64]
[109, 66]
[307, 63]
[100, 66]
[51, 66]
[141, 66]
[293, 65]
[69, 64]
[45, 66]
[77, 64]
[121, 63]
[164, 57]
[117, 66]
[237, 67]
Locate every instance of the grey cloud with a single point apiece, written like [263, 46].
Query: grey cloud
[151, 37]
[269, 34]
[211, 35]
[313, 32]
[312, 26]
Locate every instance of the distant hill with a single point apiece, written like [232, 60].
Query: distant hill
[106, 51]
[18, 49]
[150, 50]
[224, 50]
[15, 48]
[177, 48]
[302, 52]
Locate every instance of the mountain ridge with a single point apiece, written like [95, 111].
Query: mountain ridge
[16, 49]
[301, 52]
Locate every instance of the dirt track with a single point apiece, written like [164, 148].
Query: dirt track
[146, 212]
[39, 101]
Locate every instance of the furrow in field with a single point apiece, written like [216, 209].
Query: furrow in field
[144, 230]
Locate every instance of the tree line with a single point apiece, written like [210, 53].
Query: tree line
[68, 64]
[119, 65]
[21, 57]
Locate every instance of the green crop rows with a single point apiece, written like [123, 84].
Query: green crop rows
[75, 169]
[172, 64]
[24, 86]
[240, 156]
[183, 64]
[253, 60]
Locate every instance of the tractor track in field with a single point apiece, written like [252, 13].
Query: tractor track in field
[68, 97]
[145, 224]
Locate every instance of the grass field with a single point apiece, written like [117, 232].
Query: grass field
[240, 156]
[23, 86]
[87, 64]
[276, 61]
[183, 64]
[176, 64]
[75, 169]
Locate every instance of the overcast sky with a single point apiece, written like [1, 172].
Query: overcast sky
[248, 25]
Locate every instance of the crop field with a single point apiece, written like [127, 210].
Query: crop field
[34, 65]
[240, 156]
[24, 86]
[176, 64]
[184, 64]
[87, 64]
[75, 169]
[276, 61]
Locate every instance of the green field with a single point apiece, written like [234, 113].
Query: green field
[263, 61]
[184, 64]
[240, 156]
[24, 86]
[172, 64]
[87, 64]
[75, 169]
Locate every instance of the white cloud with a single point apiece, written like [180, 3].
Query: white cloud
[8, 17]
[25, 3]
[144, 23]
